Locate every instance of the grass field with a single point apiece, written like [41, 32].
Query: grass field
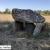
[47, 18]
[14, 38]
[8, 18]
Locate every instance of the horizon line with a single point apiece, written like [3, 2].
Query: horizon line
[24, 8]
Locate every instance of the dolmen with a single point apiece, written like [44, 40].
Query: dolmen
[27, 20]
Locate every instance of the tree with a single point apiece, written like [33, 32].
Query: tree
[7, 11]
[46, 12]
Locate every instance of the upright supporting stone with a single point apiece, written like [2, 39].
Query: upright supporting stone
[14, 28]
[37, 29]
[19, 26]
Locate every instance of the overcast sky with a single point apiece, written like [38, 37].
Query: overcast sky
[25, 4]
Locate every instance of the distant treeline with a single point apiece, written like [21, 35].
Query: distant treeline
[44, 12]
[7, 11]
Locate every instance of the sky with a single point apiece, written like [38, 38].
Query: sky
[25, 4]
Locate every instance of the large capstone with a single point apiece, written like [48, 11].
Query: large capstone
[30, 16]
